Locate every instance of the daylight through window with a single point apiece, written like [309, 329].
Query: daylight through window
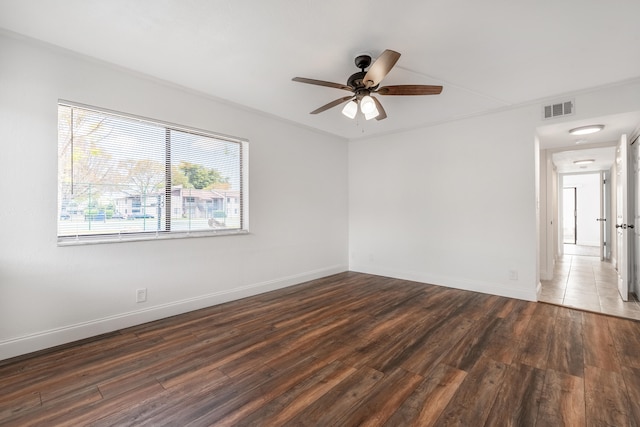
[122, 177]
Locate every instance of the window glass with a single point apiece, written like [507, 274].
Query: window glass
[125, 176]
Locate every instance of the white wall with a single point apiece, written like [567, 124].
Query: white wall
[451, 205]
[50, 295]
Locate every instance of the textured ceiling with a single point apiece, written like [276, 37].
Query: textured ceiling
[488, 55]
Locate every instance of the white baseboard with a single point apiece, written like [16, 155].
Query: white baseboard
[467, 285]
[54, 337]
[548, 273]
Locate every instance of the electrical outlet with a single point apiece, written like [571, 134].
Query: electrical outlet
[513, 275]
[141, 295]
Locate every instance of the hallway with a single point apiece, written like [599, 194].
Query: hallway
[586, 283]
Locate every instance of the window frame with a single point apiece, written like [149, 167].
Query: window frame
[117, 237]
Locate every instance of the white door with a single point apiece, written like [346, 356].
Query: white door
[634, 187]
[602, 219]
[608, 215]
[622, 218]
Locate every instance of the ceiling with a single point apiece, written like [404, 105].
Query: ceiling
[603, 158]
[600, 146]
[488, 55]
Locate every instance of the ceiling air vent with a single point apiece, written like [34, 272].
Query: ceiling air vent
[559, 109]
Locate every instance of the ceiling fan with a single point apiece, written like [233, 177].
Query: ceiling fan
[364, 84]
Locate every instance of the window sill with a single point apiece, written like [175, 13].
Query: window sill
[144, 237]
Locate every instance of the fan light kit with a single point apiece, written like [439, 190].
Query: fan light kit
[364, 84]
[586, 130]
[350, 109]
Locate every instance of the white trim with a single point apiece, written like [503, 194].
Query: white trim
[547, 274]
[41, 340]
[467, 285]
[145, 236]
[538, 289]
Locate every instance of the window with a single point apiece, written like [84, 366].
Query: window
[126, 178]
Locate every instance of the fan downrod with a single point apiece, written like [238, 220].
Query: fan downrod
[362, 61]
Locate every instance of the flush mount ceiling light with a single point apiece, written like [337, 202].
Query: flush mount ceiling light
[583, 162]
[586, 130]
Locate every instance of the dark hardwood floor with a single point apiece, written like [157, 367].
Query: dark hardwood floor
[350, 349]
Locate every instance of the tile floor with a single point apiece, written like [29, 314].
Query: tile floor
[586, 283]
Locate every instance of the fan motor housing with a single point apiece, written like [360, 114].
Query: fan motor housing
[355, 80]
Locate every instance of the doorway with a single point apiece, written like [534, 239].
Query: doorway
[581, 211]
[561, 155]
[585, 212]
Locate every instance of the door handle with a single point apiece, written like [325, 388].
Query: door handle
[623, 226]
[601, 219]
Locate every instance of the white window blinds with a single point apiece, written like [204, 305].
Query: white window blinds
[123, 177]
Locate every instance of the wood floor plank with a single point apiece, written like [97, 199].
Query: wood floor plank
[92, 413]
[63, 368]
[631, 378]
[515, 323]
[380, 405]
[599, 349]
[186, 401]
[388, 354]
[468, 350]
[566, 353]
[425, 405]
[518, 399]
[437, 345]
[505, 308]
[474, 398]
[47, 412]
[537, 339]
[18, 406]
[340, 399]
[289, 373]
[605, 397]
[625, 335]
[500, 347]
[348, 349]
[299, 397]
[562, 402]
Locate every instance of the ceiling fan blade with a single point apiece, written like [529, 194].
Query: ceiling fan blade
[331, 104]
[321, 83]
[381, 113]
[409, 90]
[380, 68]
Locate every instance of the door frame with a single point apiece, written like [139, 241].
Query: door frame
[623, 242]
[575, 214]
